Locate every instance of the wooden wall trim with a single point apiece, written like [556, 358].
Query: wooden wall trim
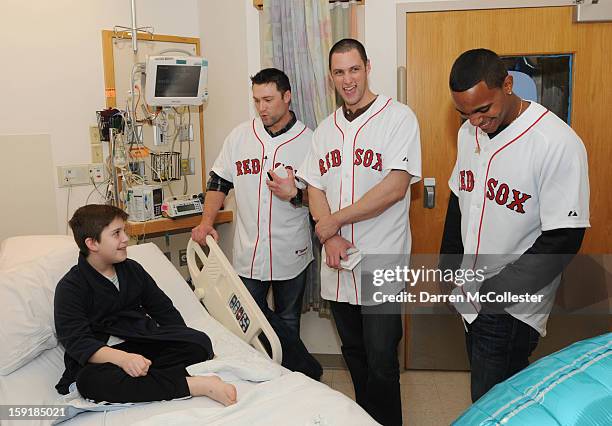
[109, 74]
[258, 4]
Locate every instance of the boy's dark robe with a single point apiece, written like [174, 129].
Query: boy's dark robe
[88, 309]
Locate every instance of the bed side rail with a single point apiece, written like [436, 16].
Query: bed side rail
[226, 298]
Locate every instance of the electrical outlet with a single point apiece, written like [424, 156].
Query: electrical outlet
[186, 132]
[96, 173]
[187, 166]
[73, 175]
[97, 155]
[182, 257]
[94, 135]
[80, 174]
[159, 136]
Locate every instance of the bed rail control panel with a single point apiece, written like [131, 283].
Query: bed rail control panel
[239, 313]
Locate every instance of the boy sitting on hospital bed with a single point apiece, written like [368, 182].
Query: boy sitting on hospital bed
[124, 340]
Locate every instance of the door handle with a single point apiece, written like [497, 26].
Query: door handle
[429, 193]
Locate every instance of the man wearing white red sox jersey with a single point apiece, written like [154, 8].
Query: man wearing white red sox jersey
[518, 209]
[272, 245]
[363, 159]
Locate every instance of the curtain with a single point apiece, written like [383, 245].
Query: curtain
[344, 19]
[297, 38]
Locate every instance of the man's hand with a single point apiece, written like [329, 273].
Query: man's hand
[199, 233]
[327, 227]
[335, 249]
[283, 188]
[134, 364]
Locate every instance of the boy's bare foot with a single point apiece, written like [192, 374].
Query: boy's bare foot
[212, 387]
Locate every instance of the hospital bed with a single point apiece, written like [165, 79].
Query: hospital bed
[31, 361]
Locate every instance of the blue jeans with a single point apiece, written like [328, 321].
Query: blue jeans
[288, 296]
[498, 346]
[369, 347]
[285, 320]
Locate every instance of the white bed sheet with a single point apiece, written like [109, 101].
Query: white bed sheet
[34, 383]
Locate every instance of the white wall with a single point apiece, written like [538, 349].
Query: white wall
[52, 78]
[381, 33]
[229, 34]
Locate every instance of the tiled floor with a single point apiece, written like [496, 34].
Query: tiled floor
[429, 398]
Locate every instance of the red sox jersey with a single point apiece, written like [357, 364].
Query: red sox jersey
[272, 238]
[531, 177]
[348, 159]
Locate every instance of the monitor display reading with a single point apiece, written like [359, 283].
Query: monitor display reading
[179, 81]
[185, 208]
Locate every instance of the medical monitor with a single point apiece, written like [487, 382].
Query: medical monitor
[176, 80]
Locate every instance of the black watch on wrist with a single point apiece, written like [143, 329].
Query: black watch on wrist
[297, 200]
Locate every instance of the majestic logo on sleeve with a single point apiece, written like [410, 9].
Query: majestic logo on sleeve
[500, 193]
[363, 157]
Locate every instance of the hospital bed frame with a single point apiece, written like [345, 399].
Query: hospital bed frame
[226, 298]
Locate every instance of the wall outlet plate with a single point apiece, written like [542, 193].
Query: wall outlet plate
[73, 175]
[80, 174]
[186, 132]
[96, 173]
[187, 166]
[97, 155]
[94, 135]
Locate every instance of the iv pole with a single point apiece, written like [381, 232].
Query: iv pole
[134, 29]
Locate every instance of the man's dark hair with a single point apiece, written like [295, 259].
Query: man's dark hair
[89, 221]
[474, 66]
[272, 75]
[347, 44]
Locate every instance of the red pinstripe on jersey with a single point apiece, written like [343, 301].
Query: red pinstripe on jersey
[271, 198]
[353, 184]
[263, 153]
[487, 178]
[339, 202]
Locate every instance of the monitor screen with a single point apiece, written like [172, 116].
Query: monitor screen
[178, 81]
[185, 207]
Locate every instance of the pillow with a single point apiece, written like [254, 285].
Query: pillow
[18, 250]
[26, 315]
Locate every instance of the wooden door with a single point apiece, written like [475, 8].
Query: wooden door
[435, 39]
